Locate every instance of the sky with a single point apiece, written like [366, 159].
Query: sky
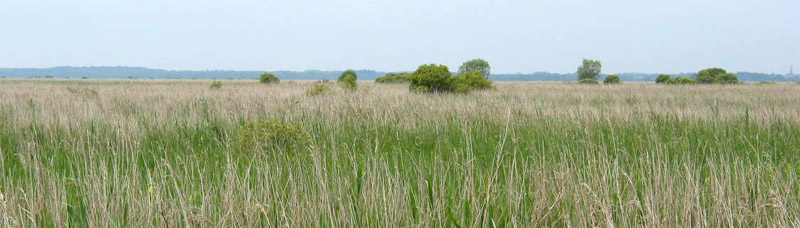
[515, 36]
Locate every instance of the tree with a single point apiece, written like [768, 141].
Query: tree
[590, 69]
[478, 65]
[268, 78]
[662, 78]
[709, 75]
[431, 78]
[589, 81]
[612, 79]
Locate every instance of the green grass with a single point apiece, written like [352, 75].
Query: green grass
[370, 163]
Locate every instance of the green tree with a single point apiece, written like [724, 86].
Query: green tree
[431, 78]
[663, 78]
[709, 75]
[268, 78]
[478, 65]
[612, 79]
[590, 69]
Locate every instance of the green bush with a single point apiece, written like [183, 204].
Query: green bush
[767, 82]
[434, 78]
[319, 88]
[612, 79]
[588, 81]
[346, 73]
[663, 78]
[726, 78]
[466, 82]
[348, 82]
[394, 78]
[431, 78]
[682, 80]
[268, 78]
[216, 85]
[709, 75]
[272, 135]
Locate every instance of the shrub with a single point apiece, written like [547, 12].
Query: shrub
[683, 80]
[272, 135]
[216, 85]
[84, 77]
[268, 78]
[346, 73]
[709, 75]
[767, 82]
[431, 78]
[466, 82]
[394, 78]
[726, 78]
[588, 81]
[319, 88]
[348, 82]
[612, 79]
[663, 78]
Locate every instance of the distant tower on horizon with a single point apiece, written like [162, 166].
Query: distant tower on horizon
[791, 70]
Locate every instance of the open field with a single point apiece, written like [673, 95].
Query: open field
[172, 153]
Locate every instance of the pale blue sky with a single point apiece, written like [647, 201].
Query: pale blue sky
[513, 35]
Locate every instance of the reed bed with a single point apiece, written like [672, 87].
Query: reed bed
[157, 153]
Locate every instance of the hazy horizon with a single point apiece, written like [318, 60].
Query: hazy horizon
[514, 36]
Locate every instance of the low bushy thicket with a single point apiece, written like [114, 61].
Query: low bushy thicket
[272, 135]
[588, 81]
[402, 77]
[612, 79]
[348, 80]
[216, 85]
[319, 88]
[434, 78]
[268, 78]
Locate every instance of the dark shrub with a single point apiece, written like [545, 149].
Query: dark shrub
[683, 80]
[394, 78]
[612, 79]
[663, 78]
[726, 78]
[588, 81]
[709, 75]
[268, 78]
